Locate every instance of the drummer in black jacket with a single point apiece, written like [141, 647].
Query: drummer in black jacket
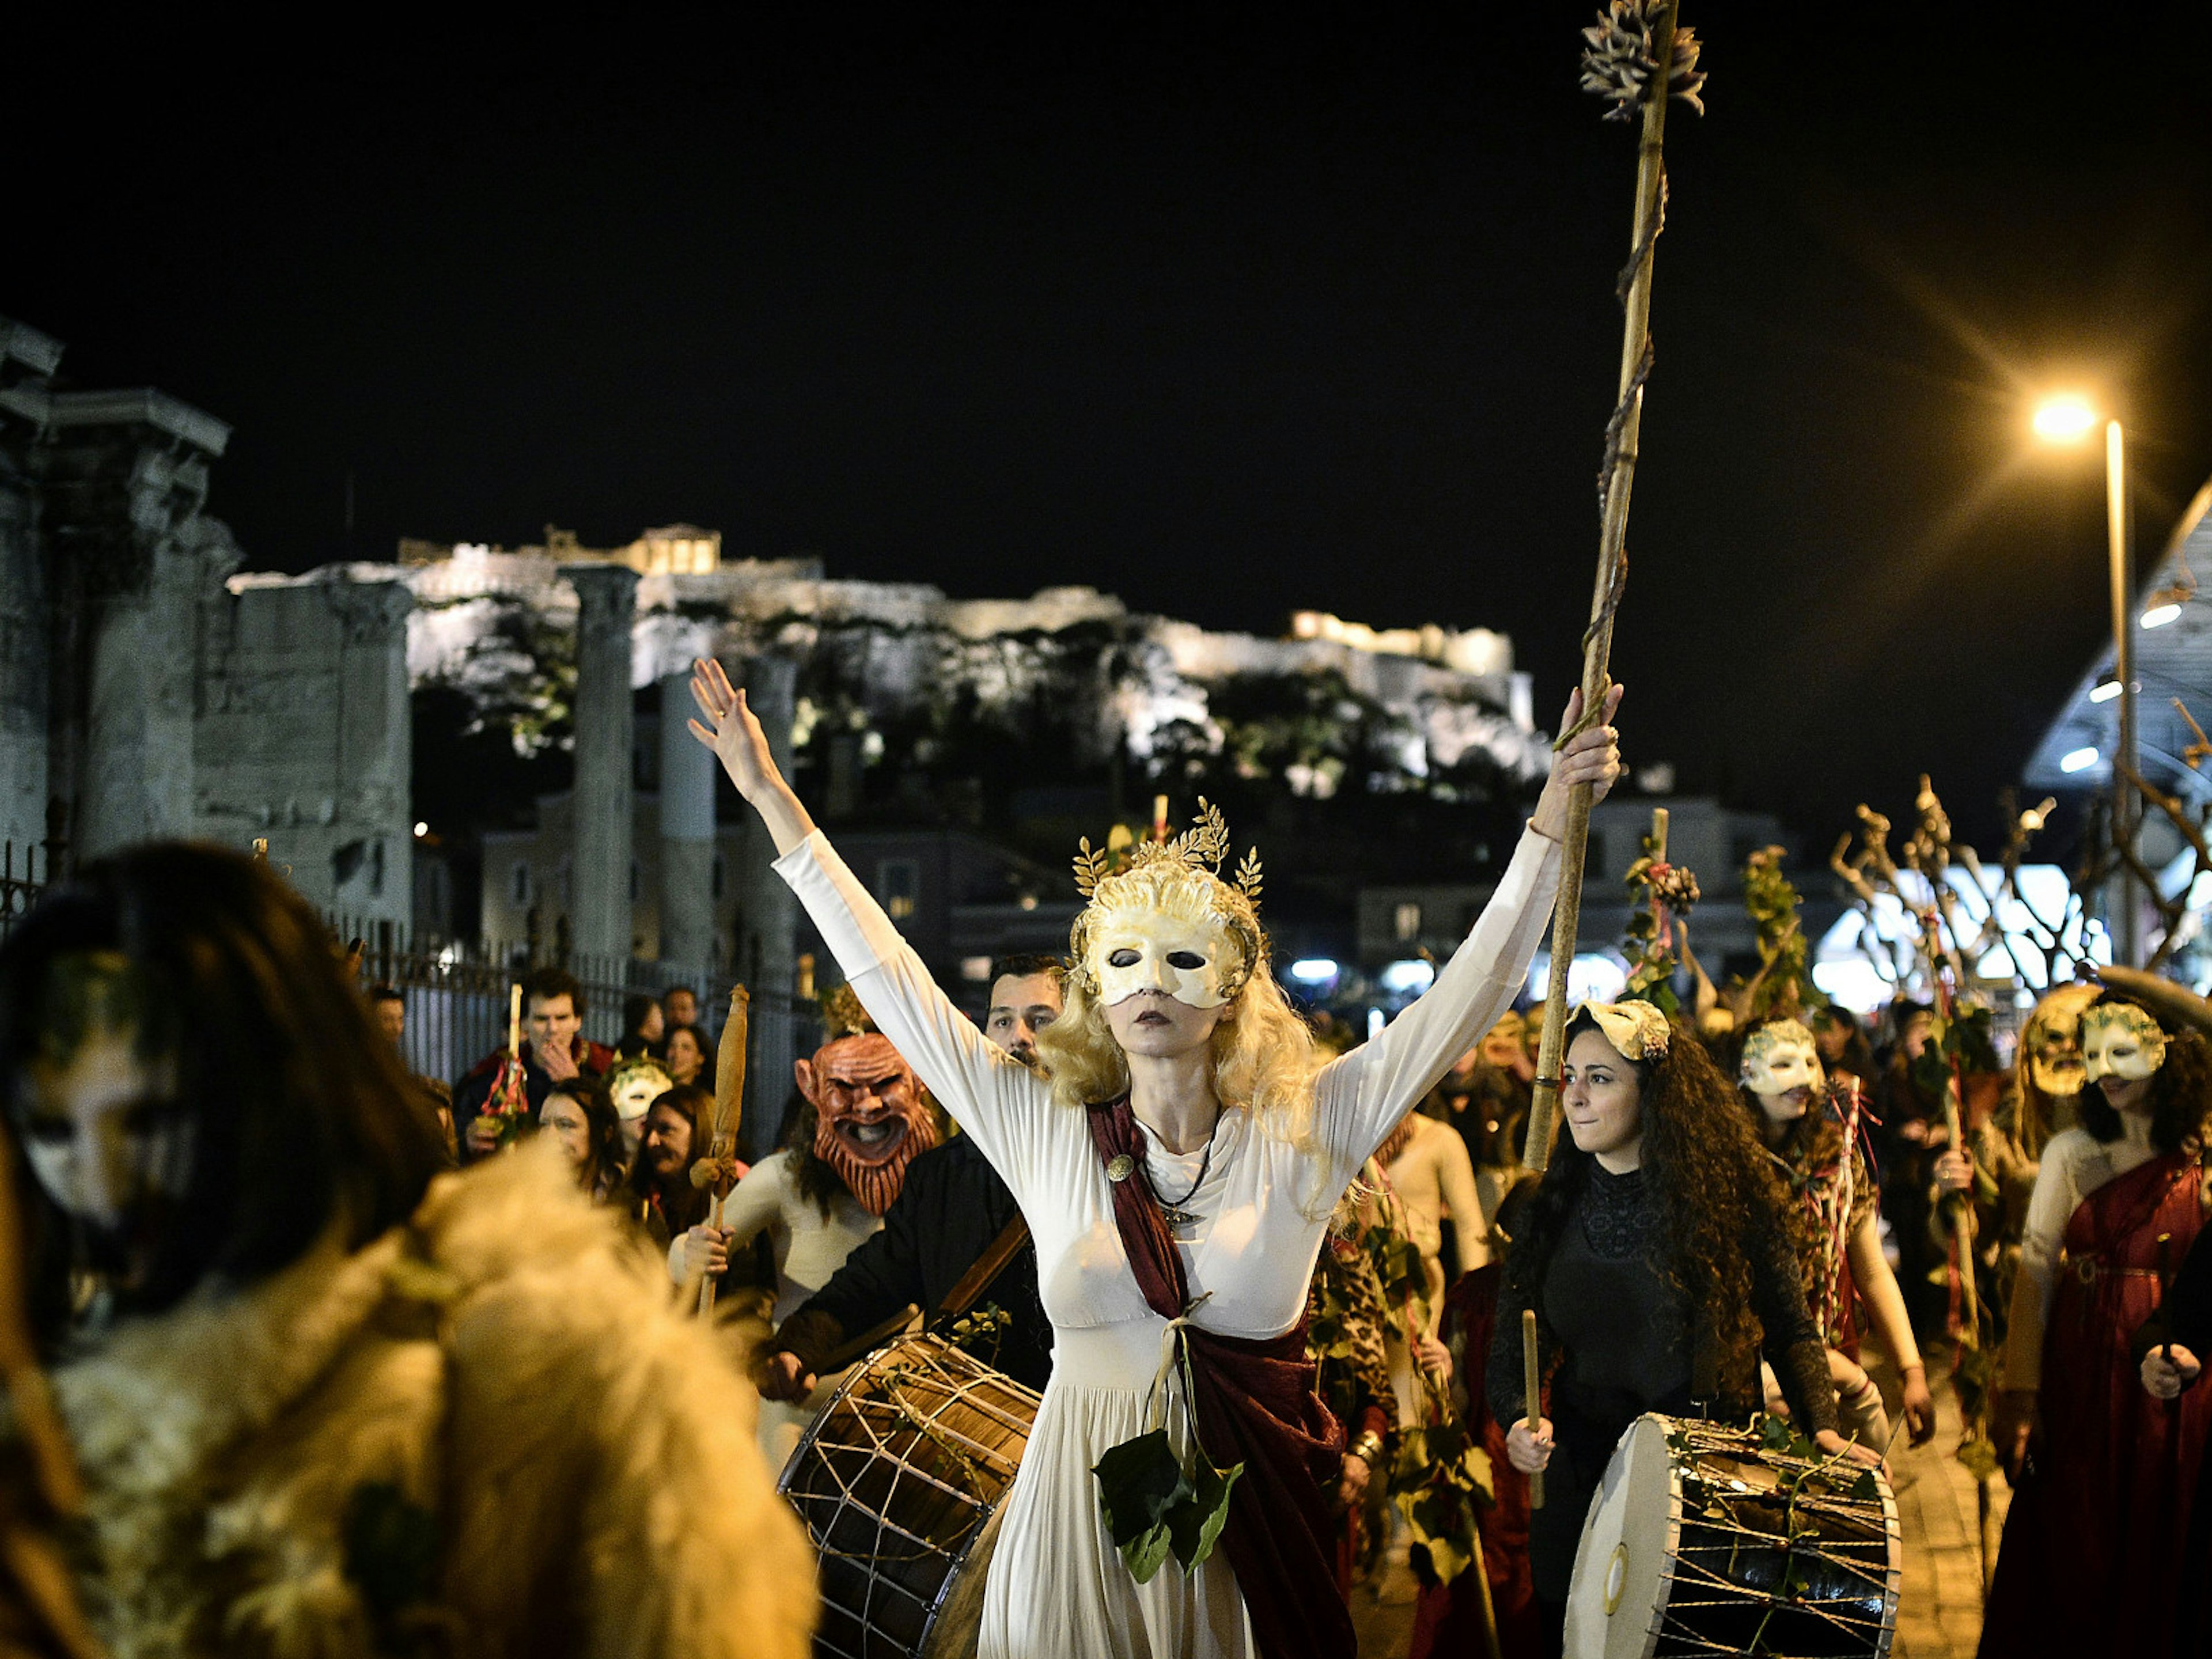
[951, 1209]
[1660, 1256]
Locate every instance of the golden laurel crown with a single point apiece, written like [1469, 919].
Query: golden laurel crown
[1202, 848]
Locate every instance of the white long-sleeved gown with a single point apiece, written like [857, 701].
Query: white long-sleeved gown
[1057, 1587]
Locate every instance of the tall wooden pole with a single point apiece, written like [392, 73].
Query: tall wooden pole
[729, 1113]
[1621, 437]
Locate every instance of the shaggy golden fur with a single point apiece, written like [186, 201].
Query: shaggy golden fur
[514, 1365]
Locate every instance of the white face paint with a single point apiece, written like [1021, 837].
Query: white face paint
[1132, 951]
[2121, 1041]
[104, 1131]
[1779, 1061]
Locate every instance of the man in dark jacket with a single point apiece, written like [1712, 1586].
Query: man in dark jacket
[554, 1049]
[952, 1207]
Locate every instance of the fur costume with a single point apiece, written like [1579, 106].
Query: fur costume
[506, 1371]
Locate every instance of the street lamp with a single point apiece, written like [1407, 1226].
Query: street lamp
[2067, 420]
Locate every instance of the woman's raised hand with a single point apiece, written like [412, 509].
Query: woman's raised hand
[1592, 757]
[732, 730]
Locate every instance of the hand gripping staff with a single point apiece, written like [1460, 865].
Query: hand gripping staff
[717, 1170]
[1621, 62]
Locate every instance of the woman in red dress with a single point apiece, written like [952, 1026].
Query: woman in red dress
[2092, 1549]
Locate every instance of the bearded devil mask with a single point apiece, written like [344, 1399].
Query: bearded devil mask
[869, 1119]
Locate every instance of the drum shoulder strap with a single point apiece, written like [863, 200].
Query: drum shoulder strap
[985, 1268]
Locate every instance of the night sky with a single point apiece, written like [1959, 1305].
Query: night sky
[1232, 316]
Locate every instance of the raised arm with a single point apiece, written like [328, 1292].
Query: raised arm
[1363, 1094]
[989, 1093]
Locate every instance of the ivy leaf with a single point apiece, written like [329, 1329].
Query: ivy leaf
[1195, 1525]
[1138, 1482]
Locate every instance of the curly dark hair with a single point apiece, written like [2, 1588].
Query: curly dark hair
[1711, 1179]
[2180, 1090]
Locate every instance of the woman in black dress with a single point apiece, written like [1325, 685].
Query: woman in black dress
[1661, 1258]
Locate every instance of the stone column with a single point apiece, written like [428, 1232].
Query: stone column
[768, 915]
[599, 853]
[687, 771]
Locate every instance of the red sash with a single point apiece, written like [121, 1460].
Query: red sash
[1256, 1404]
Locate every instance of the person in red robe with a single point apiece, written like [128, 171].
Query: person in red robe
[2093, 1546]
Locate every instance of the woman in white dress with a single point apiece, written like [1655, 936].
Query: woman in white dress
[1176, 1041]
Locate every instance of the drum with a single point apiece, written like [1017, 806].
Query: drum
[899, 1481]
[1701, 1540]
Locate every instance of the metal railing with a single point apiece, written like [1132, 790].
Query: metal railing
[456, 996]
[29, 868]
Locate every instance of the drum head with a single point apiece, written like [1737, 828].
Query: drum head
[1624, 1561]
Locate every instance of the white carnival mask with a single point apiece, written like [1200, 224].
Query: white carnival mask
[1779, 1058]
[1169, 922]
[635, 1085]
[1133, 950]
[2121, 1039]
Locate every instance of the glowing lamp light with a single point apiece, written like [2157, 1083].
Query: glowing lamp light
[2063, 420]
[2159, 615]
[421, 829]
[2108, 690]
[1406, 978]
[2077, 760]
[1313, 970]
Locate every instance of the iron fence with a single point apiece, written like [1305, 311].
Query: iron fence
[457, 999]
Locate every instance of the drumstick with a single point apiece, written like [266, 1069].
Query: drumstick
[1531, 1388]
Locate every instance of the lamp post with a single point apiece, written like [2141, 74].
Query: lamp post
[2070, 420]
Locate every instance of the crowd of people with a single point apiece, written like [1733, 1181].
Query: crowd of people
[314, 1355]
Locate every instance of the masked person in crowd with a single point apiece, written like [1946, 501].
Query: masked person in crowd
[291, 1355]
[554, 1047]
[1812, 1129]
[633, 1086]
[952, 1208]
[2094, 1543]
[1179, 1162]
[826, 1190]
[1998, 1167]
[1660, 1255]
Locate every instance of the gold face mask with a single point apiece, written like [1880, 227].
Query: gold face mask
[1780, 1058]
[1168, 922]
[2121, 1041]
[2052, 1041]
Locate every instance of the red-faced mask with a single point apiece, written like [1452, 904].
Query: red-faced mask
[869, 1119]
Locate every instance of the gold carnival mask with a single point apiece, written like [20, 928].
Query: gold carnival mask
[1167, 921]
[2120, 1040]
[1637, 1030]
[1779, 1058]
[2052, 1041]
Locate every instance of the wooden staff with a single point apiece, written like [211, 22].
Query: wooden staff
[729, 1111]
[1532, 1395]
[1622, 434]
